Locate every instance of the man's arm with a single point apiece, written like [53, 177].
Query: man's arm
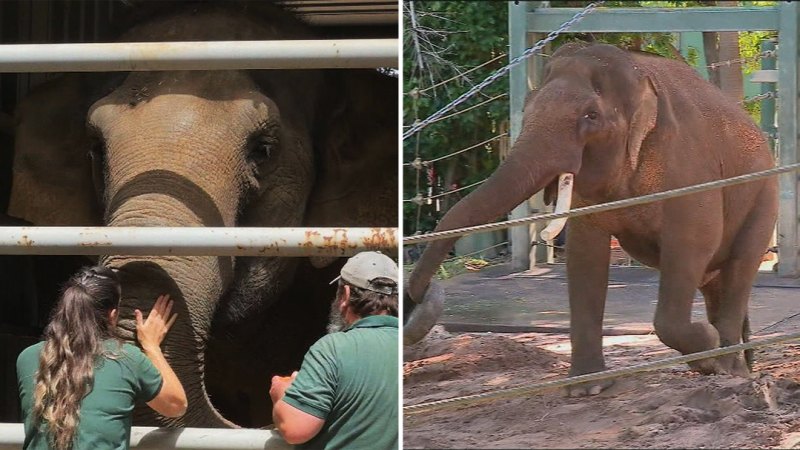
[295, 426]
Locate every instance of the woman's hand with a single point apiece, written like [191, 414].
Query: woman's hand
[151, 332]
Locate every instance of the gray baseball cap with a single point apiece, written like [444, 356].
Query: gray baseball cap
[363, 268]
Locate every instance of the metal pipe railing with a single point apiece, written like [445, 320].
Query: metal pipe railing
[210, 55]
[195, 241]
[12, 436]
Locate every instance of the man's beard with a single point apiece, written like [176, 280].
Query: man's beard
[335, 320]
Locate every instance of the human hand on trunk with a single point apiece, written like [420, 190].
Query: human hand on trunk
[151, 332]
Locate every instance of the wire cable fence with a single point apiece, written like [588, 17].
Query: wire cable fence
[417, 91]
[418, 164]
[457, 113]
[417, 126]
[533, 388]
[601, 207]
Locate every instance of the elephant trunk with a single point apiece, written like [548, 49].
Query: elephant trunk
[195, 284]
[520, 176]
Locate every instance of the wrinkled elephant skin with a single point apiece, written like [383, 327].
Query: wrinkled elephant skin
[629, 124]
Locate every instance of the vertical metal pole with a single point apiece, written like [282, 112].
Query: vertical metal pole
[517, 30]
[787, 138]
[768, 104]
[537, 253]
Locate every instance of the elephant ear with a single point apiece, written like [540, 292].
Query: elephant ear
[651, 110]
[52, 174]
[357, 155]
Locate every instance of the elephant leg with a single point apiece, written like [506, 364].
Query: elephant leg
[588, 252]
[686, 250]
[737, 276]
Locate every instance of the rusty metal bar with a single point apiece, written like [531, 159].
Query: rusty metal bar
[209, 55]
[196, 241]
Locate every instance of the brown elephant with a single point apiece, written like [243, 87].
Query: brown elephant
[627, 124]
[233, 148]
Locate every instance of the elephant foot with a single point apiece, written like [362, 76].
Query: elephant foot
[733, 364]
[589, 388]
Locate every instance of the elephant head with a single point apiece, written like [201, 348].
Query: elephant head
[588, 120]
[208, 148]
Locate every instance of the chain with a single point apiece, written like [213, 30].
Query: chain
[759, 97]
[604, 206]
[489, 80]
[728, 63]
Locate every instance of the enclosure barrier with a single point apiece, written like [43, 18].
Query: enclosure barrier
[195, 241]
[210, 55]
[12, 436]
[601, 207]
[518, 391]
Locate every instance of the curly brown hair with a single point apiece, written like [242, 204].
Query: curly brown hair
[73, 342]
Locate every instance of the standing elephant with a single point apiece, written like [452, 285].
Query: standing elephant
[627, 124]
[232, 148]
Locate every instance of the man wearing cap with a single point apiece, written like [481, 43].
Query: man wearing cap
[345, 394]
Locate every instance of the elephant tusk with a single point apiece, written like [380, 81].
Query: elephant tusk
[562, 205]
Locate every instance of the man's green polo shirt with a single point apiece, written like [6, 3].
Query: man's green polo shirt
[350, 380]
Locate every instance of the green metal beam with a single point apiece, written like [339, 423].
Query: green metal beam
[645, 20]
[787, 138]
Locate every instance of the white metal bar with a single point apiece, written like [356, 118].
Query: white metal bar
[195, 241]
[12, 436]
[210, 55]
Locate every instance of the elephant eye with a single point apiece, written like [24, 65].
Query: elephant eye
[262, 148]
[591, 115]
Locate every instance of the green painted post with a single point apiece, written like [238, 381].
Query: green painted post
[787, 138]
[517, 33]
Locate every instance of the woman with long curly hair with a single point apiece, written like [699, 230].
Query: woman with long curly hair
[79, 386]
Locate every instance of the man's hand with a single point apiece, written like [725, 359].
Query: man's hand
[151, 332]
[294, 425]
[280, 385]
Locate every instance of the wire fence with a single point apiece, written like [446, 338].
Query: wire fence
[601, 207]
[419, 125]
[730, 62]
[533, 388]
[418, 164]
[417, 91]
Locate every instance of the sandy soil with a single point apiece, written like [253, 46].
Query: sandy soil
[669, 408]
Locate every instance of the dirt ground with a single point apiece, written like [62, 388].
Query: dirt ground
[668, 408]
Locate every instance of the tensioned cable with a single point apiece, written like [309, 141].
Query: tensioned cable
[605, 375]
[527, 53]
[418, 164]
[461, 75]
[469, 109]
[603, 206]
